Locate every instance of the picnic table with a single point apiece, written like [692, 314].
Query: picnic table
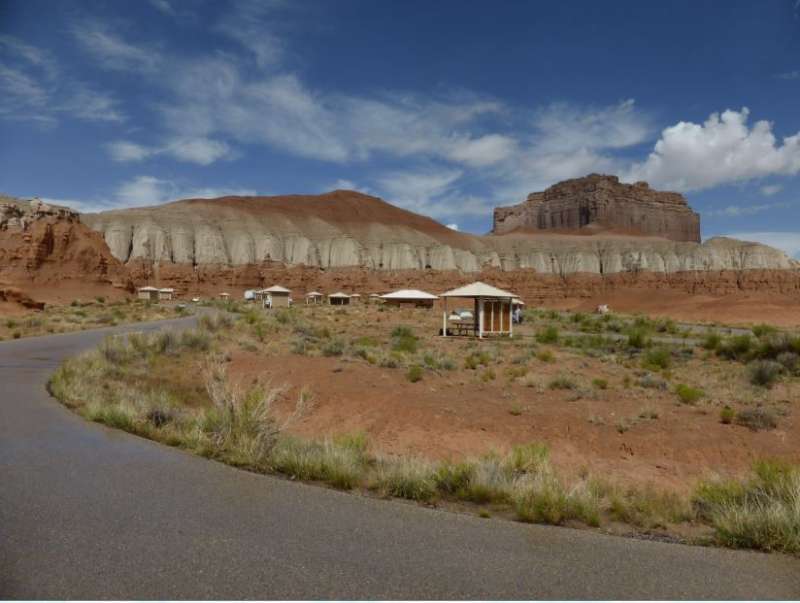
[461, 327]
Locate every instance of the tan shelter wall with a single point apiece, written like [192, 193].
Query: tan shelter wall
[280, 300]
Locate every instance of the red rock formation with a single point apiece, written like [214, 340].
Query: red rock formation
[602, 202]
[46, 244]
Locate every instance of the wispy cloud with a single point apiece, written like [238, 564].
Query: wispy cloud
[734, 211]
[112, 51]
[202, 151]
[35, 88]
[149, 190]
[771, 189]
[789, 75]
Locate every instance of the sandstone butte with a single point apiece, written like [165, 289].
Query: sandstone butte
[345, 239]
[600, 202]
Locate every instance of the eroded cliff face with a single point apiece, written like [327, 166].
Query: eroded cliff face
[348, 229]
[602, 202]
[45, 243]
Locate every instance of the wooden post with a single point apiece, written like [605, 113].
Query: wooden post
[480, 318]
[510, 319]
[444, 319]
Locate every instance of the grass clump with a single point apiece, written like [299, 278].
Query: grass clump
[333, 347]
[548, 334]
[406, 477]
[562, 382]
[757, 419]
[638, 339]
[339, 462]
[688, 394]
[737, 347]
[657, 358]
[599, 383]
[403, 340]
[761, 511]
[414, 373]
[765, 373]
[727, 415]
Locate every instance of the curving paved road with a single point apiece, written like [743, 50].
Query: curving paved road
[87, 512]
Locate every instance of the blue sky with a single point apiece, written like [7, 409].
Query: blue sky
[445, 108]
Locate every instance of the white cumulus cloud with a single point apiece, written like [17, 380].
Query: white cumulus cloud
[722, 150]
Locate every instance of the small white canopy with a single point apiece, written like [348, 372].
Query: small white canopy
[409, 294]
[166, 290]
[355, 295]
[517, 302]
[148, 288]
[339, 294]
[478, 289]
[314, 294]
[376, 295]
[276, 289]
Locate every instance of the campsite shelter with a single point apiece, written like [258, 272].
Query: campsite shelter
[355, 298]
[148, 293]
[339, 299]
[492, 311]
[410, 297]
[374, 297]
[225, 296]
[166, 293]
[276, 297]
[314, 298]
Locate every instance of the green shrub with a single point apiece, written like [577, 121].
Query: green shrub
[765, 372]
[545, 356]
[757, 419]
[712, 341]
[333, 347]
[638, 339]
[727, 415]
[488, 375]
[404, 340]
[736, 348]
[600, 383]
[763, 329]
[790, 361]
[688, 394]
[562, 382]
[657, 358]
[414, 373]
[548, 334]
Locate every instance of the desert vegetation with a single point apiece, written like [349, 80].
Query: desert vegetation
[248, 412]
[86, 314]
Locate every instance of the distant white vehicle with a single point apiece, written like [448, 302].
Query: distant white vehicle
[250, 295]
[195, 299]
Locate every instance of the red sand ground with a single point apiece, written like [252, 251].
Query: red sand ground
[454, 414]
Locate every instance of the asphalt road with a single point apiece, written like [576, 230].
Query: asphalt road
[88, 512]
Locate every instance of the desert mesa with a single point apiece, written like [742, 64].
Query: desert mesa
[576, 240]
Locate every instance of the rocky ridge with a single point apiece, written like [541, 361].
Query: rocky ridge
[348, 229]
[43, 243]
[597, 202]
